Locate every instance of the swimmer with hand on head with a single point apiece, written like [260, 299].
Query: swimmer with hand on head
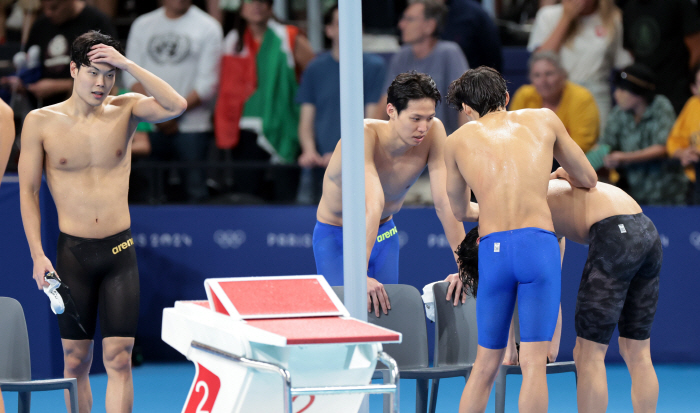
[505, 158]
[396, 153]
[85, 145]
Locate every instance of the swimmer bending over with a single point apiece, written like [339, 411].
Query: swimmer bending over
[396, 153]
[85, 144]
[619, 286]
[505, 157]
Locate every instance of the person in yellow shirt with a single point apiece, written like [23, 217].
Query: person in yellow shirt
[573, 104]
[683, 141]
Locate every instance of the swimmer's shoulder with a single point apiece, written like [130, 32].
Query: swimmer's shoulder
[465, 130]
[374, 128]
[533, 115]
[46, 115]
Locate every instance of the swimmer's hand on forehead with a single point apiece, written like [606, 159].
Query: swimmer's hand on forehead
[101, 53]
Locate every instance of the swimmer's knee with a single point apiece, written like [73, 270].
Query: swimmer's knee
[116, 353]
[118, 362]
[586, 351]
[635, 351]
[77, 356]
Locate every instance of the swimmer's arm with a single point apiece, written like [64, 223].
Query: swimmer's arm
[374, 207]
[31, 166]
[458, 191]
[570, 156]
[7, 135]
[454, 230]
[374, 194]
[164, 104]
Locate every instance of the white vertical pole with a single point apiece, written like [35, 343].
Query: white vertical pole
[314, 24]
[353, 173]
[352, 147]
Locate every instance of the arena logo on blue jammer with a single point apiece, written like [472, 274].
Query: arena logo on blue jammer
[228, 238]
[164, 240]
[289, 240]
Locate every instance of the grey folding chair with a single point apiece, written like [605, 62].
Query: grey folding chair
[407, 316]
[504, 371]
[455, 339]
[15, 365]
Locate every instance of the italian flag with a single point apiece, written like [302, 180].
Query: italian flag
[257, 90]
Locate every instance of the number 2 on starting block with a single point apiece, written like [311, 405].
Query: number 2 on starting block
[203, 393]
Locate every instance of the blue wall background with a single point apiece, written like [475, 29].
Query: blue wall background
[180, 246]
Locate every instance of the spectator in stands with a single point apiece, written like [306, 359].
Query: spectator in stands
[423, 52]
[17, 15]
[319, 96]
[635, 137]
[665, 36]
[550, 89]
[54, 32]
[256, 113]
[472, 29]
[588, 36]
[181, 44]
[684, 140]
[108, 7]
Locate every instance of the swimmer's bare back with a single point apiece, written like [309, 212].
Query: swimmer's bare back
[506, 159]
[87, 163]
[396, 172]
[575, 210]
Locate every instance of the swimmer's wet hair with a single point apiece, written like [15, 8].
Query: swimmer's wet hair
[482, 89]
[83, 44]
[468, 262]
[411, 86]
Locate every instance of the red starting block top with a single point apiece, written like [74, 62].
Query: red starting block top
[321, 330]
[273, 297]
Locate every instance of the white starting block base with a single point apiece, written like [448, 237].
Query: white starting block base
[317, 352]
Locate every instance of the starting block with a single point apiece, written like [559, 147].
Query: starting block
[277, 344]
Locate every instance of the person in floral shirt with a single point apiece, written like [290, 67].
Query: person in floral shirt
[634, 140]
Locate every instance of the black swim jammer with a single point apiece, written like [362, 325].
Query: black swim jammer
[100, 271]
[620, 282]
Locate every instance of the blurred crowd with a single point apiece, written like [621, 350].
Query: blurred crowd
[263, 111]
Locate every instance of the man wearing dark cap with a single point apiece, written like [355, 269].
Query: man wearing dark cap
[634, 140]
